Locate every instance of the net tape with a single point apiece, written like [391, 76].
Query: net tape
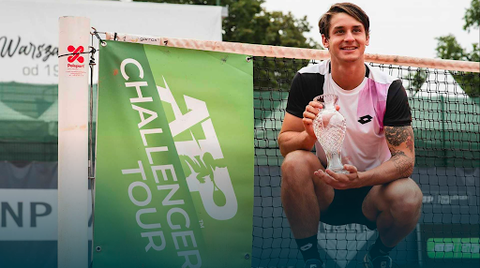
[289, 52]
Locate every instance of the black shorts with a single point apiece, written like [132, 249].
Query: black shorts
[346, 208]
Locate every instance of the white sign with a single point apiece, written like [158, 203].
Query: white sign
[29, 30]
[31, 215]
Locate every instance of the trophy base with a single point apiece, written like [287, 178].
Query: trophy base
[335, 164]
[340, 171]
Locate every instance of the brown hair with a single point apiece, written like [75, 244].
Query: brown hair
[348, 8]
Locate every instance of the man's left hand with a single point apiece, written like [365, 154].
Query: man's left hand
[341, 181]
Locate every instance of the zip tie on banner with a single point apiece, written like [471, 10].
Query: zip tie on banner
[102, 42]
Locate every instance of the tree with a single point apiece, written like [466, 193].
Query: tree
[449, 48]
[415, 80]
[248, 22]
[472, 16]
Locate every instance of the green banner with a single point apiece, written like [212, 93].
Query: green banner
[174, 161]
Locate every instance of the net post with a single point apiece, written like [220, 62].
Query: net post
[74, 34]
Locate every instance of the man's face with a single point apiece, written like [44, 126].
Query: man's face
[347, 38]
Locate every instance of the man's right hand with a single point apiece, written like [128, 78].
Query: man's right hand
[297, 133]
[311, 111]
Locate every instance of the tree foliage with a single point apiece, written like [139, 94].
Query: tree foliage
[472, 16]
[449, 48]
[249, 22]
[415, 80]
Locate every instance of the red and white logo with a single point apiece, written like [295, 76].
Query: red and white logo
[76, 57]
[75, 62]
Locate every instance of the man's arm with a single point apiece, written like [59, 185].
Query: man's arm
[297, 133]
[294, 135]
[400, 141]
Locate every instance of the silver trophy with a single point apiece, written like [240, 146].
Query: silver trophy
[329, 127]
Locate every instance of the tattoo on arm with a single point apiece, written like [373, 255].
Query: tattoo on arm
[395, 137]
[398, 135]
[402, 163]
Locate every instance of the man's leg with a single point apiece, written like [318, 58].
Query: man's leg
[396, 208]
[303, 197]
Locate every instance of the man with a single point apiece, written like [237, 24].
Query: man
[378, 151]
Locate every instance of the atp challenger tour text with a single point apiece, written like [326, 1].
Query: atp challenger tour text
[182, 235]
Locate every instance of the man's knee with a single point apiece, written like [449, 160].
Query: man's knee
[404, 196]
[299, 166]
[298, 161]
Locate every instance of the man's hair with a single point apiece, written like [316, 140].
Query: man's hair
[348, 8]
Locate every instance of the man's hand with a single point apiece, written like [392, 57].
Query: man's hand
[311, 111]
[340, 181]
[297, 133]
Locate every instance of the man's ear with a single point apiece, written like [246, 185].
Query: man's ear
[325, 41]
[367, 41]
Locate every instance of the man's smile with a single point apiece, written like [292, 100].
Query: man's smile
[349, 48]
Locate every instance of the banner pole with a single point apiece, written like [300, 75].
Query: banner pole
[74, 35]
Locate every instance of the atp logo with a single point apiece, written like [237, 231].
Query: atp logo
[75, 57]
[201, 155]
